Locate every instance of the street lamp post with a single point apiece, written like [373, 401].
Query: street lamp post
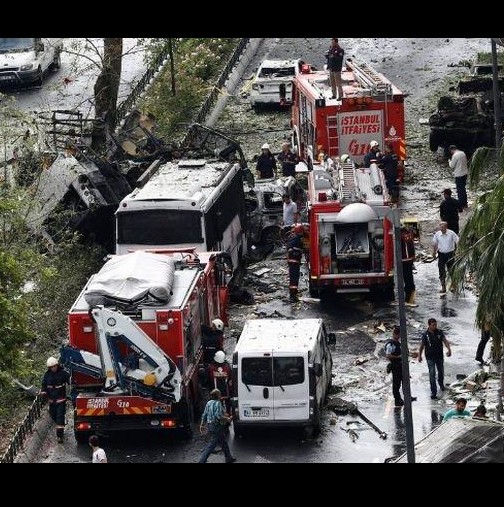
[496, 98]
[406, 384]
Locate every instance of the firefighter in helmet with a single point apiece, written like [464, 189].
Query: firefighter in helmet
[212, 339]
[54, 388]
[294, 254]
[220, 377]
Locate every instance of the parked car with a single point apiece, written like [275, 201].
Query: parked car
[26, 61]
[272, 84]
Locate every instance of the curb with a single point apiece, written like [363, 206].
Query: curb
[233, 81]
[35, 441]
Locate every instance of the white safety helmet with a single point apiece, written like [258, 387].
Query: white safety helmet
[344, 157]
[220, 357]
[219, 325]
[265, 146]
[52, 361]
[373, 144]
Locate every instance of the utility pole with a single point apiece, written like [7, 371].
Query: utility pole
[496, 97]
[401, 298]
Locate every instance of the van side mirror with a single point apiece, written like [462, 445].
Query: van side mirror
[317, 369]
[331, 338]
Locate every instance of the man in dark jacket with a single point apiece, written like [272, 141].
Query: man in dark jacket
[266, 163]
[295, 250]
[393, 353]
[335, 56]
[389, 163]
[54, 387]
[213, 339]
[449, 211]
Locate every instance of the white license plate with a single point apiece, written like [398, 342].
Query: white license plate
[6, 78]
[256, 413]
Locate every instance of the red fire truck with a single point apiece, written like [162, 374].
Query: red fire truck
[351, 245]
[135, 340]
[372, 108]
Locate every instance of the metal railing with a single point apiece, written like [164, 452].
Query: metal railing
[126, 105]
[214, 94]
[24, 431]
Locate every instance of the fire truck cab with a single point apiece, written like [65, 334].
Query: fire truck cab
[372, 108]
[135, 340]
[351, 244]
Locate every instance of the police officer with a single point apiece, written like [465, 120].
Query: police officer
[393, 353]
[54, 388]
[294, 255]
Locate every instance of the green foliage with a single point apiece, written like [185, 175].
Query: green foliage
[198, 64]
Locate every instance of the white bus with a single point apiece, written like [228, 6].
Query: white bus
[185, 204]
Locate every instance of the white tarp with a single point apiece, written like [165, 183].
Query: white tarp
[138, 277]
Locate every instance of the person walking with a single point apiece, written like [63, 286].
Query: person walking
[214, 421]
[266, 163]
[449, 211]
[433, 340]
[408, 262]
[54, 388]
[99, 455]
[459, 412]
[458, 164]
[335, 56]
[393, 353]
[288, 159]
[485, 336]
[294, 255]
[445, 243]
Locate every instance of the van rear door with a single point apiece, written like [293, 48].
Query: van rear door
[291, 387]
[255, 388]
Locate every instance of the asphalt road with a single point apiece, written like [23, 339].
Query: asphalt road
[418, 66]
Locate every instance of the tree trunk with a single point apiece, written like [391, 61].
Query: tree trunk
[106, 90]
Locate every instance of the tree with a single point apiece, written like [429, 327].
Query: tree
[106, 90]
[481, 249]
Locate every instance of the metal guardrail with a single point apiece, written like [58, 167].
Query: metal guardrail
[125, 107]
[24, 431]
[214, 94]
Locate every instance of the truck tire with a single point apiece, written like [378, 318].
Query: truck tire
[314, 292]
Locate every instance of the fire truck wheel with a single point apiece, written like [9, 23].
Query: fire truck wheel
[314, 293]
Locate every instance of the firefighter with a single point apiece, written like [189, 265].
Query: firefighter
[288, 159]
[54, 388]
[220, 377]
[213, 339]
[374, 155]
[389, 163]
[294, 255]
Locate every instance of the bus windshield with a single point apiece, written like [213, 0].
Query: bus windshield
[8, 45]
[159, 227]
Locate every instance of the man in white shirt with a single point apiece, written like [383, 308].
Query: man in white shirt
[458, 163]
[290, 212]
[445, 243]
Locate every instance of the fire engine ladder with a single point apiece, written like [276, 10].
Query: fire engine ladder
[349, 187]
[368, 77]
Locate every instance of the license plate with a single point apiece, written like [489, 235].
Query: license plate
[352, 282]
[6, 78]
[256, 413]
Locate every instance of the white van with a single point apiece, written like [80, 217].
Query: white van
[281, 374]
[26, 61]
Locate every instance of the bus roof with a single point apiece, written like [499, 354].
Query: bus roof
[279, 335]
[185, 180]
